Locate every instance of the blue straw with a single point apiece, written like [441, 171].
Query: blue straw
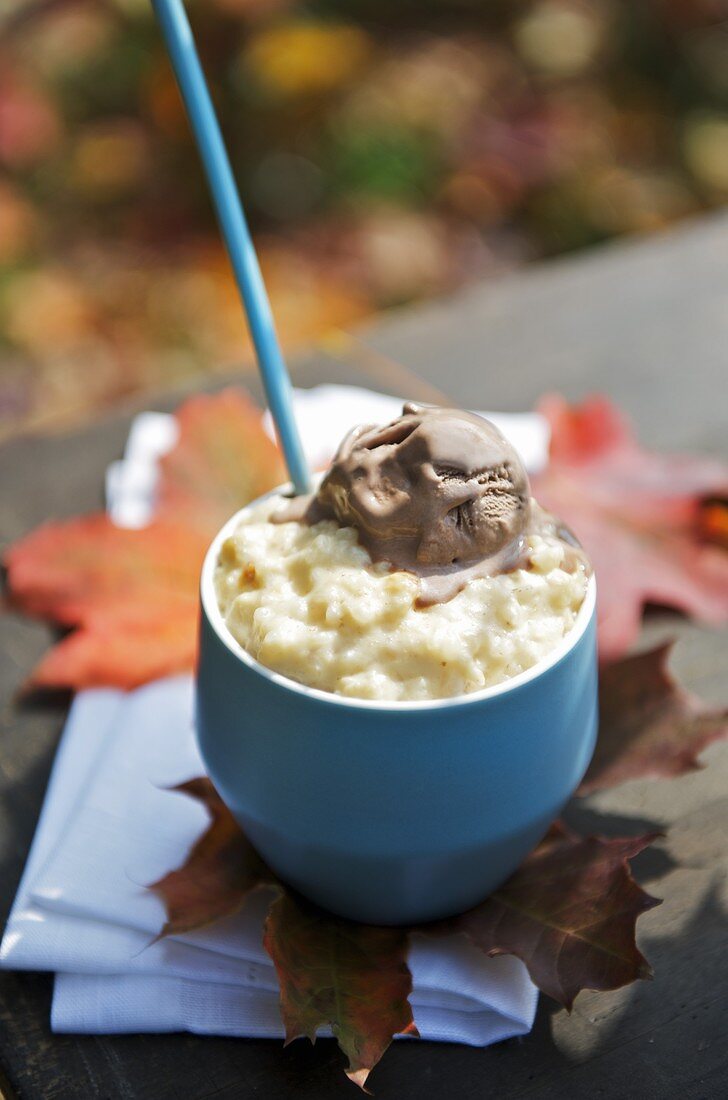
[277, 384]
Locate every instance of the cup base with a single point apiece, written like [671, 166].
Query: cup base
[397, 890]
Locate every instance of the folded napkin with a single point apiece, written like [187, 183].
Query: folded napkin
[108, 827]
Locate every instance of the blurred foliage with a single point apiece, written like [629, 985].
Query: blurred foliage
[385, 152]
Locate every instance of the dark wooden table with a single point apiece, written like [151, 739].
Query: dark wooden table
[648, 324]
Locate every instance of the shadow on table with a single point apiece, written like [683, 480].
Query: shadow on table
[635, 1041]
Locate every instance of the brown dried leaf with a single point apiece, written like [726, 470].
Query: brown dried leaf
[218, 872]
[352, 977]
[568, 913]
[333, 972]
[649, 726]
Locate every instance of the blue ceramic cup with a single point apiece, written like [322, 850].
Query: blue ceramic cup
[393, 813]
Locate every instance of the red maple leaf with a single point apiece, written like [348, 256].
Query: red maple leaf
[639, 516]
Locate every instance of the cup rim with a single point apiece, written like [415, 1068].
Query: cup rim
[213, 615]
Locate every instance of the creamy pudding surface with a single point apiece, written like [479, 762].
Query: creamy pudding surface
[307, 600]
[420, 568]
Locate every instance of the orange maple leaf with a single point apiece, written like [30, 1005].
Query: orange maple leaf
[129, 597]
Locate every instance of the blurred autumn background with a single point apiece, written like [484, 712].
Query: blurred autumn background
[386, 152]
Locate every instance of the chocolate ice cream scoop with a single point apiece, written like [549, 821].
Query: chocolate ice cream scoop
[436, 487]
[438, 492]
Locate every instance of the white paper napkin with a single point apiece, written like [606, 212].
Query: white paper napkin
[107, 828]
